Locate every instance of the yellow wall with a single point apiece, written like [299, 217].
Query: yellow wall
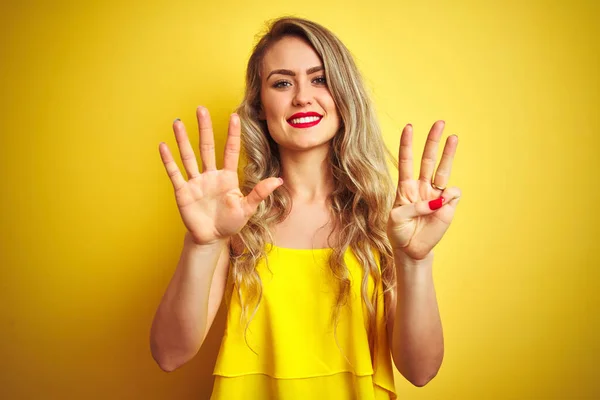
[90, 232]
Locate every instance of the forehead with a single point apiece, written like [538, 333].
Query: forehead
[291, 53]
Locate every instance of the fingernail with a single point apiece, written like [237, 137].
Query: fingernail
[280, 180]
[437, 203]
[409, 125]
[176, 119]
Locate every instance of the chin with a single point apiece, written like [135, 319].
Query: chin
[303, 139]
[307, 143]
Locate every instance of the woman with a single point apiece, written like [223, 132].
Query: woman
[327, 272]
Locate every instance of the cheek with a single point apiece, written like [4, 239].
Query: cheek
[337, 120]
[328, 102]
[272, 107]
[331, 108]
[272, 103]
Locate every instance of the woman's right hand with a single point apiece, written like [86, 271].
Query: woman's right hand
[210, 203]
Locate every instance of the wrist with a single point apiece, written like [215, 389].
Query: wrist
[411, 272]
[403, 260]
[189, 242]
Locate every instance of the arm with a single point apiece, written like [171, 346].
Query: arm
[190, 303]
[414, 327]
[420, 217]
[213, 209]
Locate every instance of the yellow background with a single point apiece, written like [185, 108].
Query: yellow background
[91, 235]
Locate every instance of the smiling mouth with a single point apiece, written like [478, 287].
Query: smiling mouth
[304, 122]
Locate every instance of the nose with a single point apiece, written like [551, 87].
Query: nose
[303, 95]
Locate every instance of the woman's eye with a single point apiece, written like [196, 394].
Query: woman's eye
[281, 84]
[320, 80]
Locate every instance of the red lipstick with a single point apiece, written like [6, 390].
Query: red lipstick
[304, 120]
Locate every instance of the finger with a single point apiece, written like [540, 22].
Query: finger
[426, 207]
[232, 146]
[261, 191]
[207, 140]
[454, 202]
[172, 169]
[452, 194]
[185, 150]
[442, 175]
[430, 152]
[405, 158]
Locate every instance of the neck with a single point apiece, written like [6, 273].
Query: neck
[307, 174]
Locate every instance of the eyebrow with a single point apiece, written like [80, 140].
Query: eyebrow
[291, 73]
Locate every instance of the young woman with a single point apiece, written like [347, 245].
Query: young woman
[325, 265]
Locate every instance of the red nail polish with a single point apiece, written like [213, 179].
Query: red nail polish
[437, 203]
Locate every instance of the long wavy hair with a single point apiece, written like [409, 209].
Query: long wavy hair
[363, 195]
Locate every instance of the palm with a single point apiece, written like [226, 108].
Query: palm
[412, 227]
[211, 204]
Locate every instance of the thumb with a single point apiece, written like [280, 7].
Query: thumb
[261, 191]
[449, 197]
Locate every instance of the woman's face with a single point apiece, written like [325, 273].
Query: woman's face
[297, 105]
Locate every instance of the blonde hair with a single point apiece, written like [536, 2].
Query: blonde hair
[363, 193]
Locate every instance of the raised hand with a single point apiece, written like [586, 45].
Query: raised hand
[424, 208]
[211, 204]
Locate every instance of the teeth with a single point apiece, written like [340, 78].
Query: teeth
[305, 120]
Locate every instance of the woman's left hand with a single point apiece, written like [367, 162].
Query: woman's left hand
[424, 208]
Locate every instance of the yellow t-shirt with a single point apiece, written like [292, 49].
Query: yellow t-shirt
[291, 351]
